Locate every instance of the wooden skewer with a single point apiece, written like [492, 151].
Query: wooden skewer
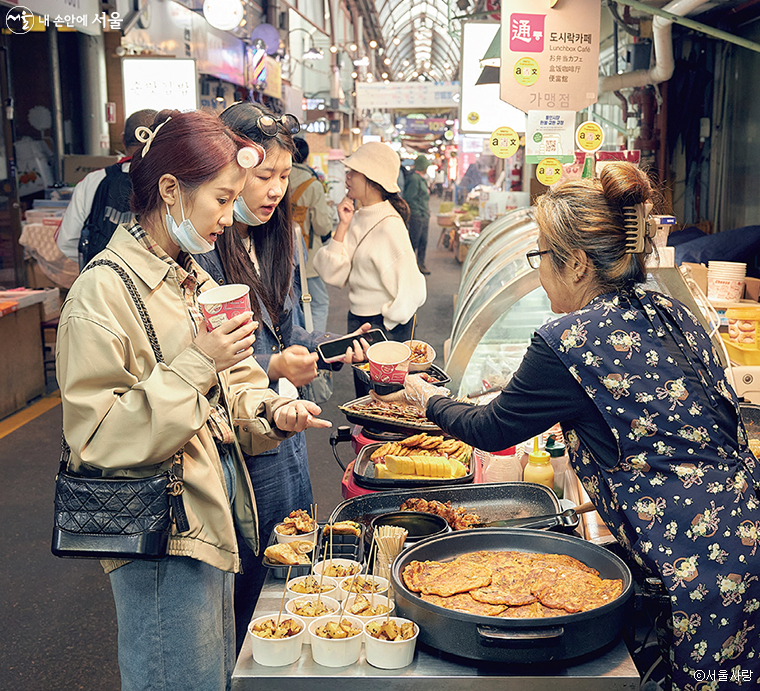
[414, 323]
[284, 593]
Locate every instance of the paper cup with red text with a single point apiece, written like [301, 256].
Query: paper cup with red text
[388, 362]
[224, 302]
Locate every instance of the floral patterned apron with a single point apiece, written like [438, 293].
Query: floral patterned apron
[680, 498]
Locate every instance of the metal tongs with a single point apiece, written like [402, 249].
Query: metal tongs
[567, 518]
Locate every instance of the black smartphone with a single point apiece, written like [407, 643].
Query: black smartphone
[331, 351]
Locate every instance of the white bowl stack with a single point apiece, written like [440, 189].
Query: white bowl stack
[725, 280]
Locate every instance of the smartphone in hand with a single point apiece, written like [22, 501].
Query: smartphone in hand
[332, 351]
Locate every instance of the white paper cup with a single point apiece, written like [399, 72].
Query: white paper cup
[336, 652]
[224, 302]
[388, 362]
[308, 537]
[345, 584]
[338, 563]
[276, 652]
[332, 591]
[374, 600]
[729, 289]
[329, 602]
[425, 364]
[389, 654]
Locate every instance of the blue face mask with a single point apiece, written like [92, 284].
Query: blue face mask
[243, 214]
[185, 235]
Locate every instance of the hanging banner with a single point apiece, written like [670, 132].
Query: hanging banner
[404, 95]
[550, 133]
[550, 54]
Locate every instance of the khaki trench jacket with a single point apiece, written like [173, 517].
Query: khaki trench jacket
[126, 414]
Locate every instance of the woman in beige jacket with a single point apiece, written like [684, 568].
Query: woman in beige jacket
[124, 413]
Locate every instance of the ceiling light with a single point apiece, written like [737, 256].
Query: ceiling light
[373, 44]
[396, 41]
[405, 63]
[352, 47]
[354, 75]
[384, 75]
[313, 54]
[356, 130]
[387, 61]
[220, 93]
[446, 65]
[333, 49]
[400, 75]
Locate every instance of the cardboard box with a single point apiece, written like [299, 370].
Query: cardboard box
[752, 288]
[76, 167]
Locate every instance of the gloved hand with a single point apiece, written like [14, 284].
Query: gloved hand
[417, 392]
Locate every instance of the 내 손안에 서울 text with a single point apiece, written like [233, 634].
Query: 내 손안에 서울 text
[21, 20]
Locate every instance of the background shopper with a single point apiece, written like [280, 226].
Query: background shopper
[123, 413]
[417, 195]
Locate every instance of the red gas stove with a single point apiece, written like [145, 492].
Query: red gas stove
[359, 437]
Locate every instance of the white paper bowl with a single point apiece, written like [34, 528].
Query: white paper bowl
[375, 600]
[277, 652]
[339, 562]
[421, 366]
[389, 654]
[307, 537]
[345, 583]
[330, 602]
[332, 592]
[336, 652]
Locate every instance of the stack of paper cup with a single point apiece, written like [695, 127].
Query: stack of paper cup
[725, 280]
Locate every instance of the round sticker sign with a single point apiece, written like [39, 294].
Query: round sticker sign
[589, 136]
[504, 142]
[549, 171]
[473, 118]
[526, 71]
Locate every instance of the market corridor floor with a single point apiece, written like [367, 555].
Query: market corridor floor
[58, 618]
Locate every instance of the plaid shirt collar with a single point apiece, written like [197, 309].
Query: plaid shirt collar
[185, 271]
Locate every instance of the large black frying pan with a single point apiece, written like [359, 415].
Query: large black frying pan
[513, 640]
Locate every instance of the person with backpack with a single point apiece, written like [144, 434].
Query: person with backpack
[100, 202]
[311, 212]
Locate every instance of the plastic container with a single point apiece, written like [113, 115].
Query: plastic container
[290, 606]
[560, 463]
[390, 654]
[336, 652]
[276, 652]
[539, 468]
[743, 323]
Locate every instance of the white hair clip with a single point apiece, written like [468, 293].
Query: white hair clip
[251, 156]
[146, 136]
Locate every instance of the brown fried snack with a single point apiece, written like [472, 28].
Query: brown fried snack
[463, 602]
[510, 585]
[532, 611]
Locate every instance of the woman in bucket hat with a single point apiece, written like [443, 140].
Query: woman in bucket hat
[370, 249]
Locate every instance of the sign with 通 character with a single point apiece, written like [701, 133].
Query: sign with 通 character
[549, 54]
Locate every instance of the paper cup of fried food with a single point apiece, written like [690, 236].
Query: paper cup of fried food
[422, 356]
[388, 362]
[311, 607]
[298, 525]
[368, 607]
[337, 569]
[276, 644]
[390, 642]
[336, 641]
[312, 585]
[367, 584]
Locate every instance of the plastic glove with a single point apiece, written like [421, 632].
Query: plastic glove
[417, 392]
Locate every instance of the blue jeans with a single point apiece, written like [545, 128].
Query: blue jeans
[176, 619]
[176, 625]
[320, 303]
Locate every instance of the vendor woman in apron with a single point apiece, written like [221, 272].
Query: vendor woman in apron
[652, 425]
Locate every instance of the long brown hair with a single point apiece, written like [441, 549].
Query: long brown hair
[273, 241]
[397, 202]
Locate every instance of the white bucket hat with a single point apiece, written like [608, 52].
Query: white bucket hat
[377, 162]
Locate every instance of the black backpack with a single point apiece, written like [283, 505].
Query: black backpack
[110, 208]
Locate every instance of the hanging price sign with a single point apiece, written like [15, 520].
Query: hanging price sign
[549, 171]
[504, 142]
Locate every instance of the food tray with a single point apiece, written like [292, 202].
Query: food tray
[491, 501]
[364, 474]
[383, 422]
[441, 378]
[347, 547]
[281, 570]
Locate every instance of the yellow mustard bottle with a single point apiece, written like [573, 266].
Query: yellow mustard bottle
[539, 468]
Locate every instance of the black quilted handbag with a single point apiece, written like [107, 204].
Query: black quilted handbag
[118, 517]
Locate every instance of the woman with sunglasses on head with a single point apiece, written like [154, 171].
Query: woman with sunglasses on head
[652, 426]
[259, 250]
[370, 249]
[124, 413]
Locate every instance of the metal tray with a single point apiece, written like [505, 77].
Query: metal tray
[382, 422]
[364, 474]
[491, 501]
[281, 570]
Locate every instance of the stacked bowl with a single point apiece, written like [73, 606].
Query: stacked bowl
[725, 280]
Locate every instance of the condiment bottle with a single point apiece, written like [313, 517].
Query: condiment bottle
[560, 461]
[539, 468]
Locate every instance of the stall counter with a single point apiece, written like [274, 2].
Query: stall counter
[430, 671]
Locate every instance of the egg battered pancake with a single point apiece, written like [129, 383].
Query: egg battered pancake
[462, 602]
[534, 611]
[510, 585]
[455, 577]
[417, 573]
[577, 591]
[563, 560]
